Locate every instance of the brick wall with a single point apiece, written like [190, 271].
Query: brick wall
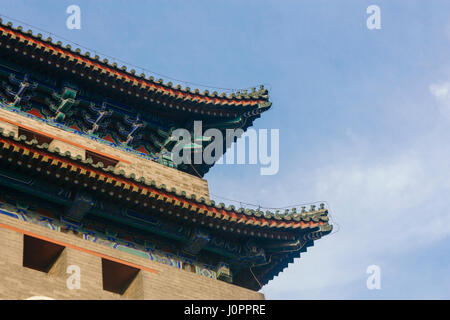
[18, 282]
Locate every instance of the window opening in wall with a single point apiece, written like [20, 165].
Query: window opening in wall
[39, 254]
[117, 277]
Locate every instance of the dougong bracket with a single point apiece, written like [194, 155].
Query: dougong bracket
[81, 205]
[64, 103]
[99, 121]
[199, 238]
[24, 85]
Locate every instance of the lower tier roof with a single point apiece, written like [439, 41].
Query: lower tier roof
[269, 240]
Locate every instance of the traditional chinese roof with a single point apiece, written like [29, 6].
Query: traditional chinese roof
[97, 87]
[281, 236]
[82, 96]
[64, 166]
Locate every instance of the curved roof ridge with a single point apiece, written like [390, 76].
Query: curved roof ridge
[255, 96]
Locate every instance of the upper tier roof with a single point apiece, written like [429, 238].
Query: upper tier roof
[162, 107]
[240, 99]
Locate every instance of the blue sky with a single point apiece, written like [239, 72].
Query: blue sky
[363, 118]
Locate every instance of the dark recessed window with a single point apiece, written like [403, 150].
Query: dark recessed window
[101, 158]
[117, 277]
[34, 135]
[40, 254]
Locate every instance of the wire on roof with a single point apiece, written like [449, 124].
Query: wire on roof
[144, 70]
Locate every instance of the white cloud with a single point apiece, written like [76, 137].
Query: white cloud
[384, 207]
[441, 91]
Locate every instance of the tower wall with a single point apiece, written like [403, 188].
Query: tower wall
[154, 281]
